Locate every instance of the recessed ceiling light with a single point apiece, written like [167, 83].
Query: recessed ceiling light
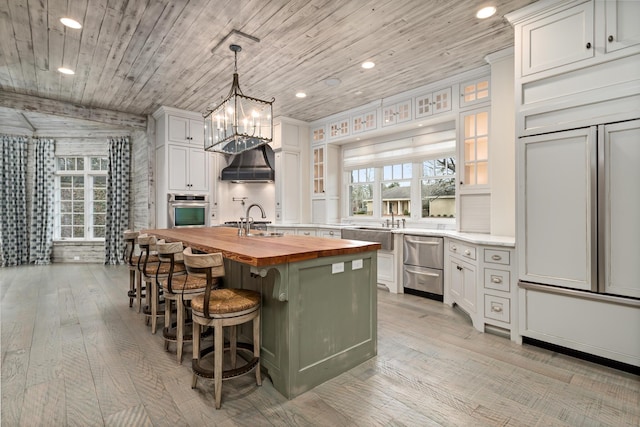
[485, 12]
[71, 23]
[368, 64]
[301, 95]
[66, 70]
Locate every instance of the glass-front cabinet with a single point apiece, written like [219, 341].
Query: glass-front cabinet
[318, 170]
[475, 148]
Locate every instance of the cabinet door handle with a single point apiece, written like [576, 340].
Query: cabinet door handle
[588, 45]
[458, 267]
[496, 279]
[496, 257]
[610, 38]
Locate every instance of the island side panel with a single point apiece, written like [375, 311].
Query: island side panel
[327, 326]
[332, 318]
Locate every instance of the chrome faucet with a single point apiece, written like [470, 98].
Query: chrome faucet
[392, 218]
[249, 220]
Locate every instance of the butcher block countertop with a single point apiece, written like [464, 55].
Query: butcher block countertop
[261, 251]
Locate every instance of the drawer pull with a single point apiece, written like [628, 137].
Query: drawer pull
[467, 252]
[496, 279]
[496, 257]
[496, 308]
[454, 248]
[421, 273]
[421, 242]
[331, 233]
[306, 233]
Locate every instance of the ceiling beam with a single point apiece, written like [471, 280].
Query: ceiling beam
[65, 109]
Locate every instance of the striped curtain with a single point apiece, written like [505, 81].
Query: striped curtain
[42, 211]
[117, 220]
[13, 201]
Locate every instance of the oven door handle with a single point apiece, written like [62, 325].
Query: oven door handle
[422, 273]
[188, 205]
[421, 242]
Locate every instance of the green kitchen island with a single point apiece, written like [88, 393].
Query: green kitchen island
[319, 299]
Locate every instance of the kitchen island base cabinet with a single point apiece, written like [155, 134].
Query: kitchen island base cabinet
[317, 321]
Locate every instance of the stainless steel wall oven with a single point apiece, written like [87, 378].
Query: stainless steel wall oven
[187, 210]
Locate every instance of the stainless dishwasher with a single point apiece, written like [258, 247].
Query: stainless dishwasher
[423, 266]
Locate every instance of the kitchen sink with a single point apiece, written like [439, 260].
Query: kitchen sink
[265, 234]
[381, 235]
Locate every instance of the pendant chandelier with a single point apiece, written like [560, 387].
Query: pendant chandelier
[239, 123]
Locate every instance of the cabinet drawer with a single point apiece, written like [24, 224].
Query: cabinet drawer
[463, 250]
[495, 256]
[497, 308]
[497, 279]
[306, 231]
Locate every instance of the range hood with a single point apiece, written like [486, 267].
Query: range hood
[254, 165]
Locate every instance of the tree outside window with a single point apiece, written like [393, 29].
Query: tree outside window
[361, 192]
[438, 188]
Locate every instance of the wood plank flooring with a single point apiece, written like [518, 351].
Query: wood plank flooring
[75, 354]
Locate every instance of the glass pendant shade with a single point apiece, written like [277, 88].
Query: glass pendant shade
[238, 123]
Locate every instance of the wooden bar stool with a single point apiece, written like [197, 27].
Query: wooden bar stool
[161, 271]
[222, 308]
[130, 237]
[179, 289]
[148, 264]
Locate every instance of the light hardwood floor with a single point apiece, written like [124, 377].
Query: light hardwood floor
[74, 353]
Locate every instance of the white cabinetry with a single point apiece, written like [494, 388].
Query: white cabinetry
[480, 279]
[188, 168]
[362, 122]
[181, 164]
[290, 143]
[461, 276]
[396, 113]
[575, 115]
[186, 130]
[498, 289]
[433, 103]
[557, 203]
[325, 168]
[562, 37]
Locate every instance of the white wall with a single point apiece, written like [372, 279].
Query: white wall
[261, 193]
[502, 175]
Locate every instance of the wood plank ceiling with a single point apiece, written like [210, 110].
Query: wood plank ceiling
[134, 56]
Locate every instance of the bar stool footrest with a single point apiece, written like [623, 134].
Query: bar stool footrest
[229, 373]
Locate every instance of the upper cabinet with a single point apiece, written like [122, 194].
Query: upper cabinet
[396, 113]
[433, 103]
[186, 130]
[621, 29]
[318, 134]
[572, 57]
[475, 91]
[363, 122]
[561, 38]
[566, 35]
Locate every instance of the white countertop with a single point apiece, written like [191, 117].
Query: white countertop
[475, 238]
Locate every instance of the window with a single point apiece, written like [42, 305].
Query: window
[361, 192]
[81, 198]
[438, 188]
[396, 189]
[422, 189]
